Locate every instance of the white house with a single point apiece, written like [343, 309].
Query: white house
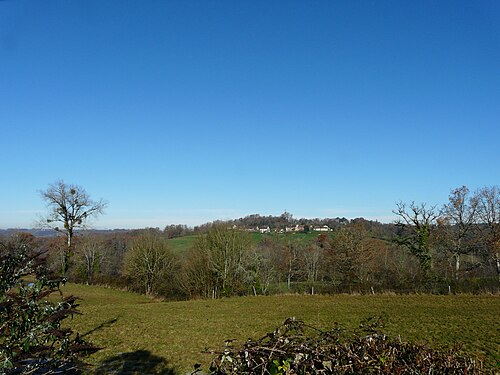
[324, 228]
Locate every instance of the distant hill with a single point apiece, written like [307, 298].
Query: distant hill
[53, 233]
[35, 232]
[254, 223]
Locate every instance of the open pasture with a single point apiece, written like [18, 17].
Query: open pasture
[181, 245]
[182, 332]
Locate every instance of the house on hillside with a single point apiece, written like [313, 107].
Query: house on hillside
[324, 228]
[297, 228]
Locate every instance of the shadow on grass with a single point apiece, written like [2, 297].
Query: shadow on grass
[138, 362]
[103, 325]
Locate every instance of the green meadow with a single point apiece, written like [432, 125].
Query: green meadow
[182, 245]
[184, 332]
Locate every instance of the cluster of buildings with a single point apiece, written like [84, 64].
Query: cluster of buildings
[294, 229]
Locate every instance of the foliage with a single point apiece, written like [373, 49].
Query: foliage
[31, 335]
[299, 348]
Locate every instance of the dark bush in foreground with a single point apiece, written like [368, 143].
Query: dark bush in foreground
[297, 348]
[32, 339]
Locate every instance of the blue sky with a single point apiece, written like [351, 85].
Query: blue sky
[191, 111]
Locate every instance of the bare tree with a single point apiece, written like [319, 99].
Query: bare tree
[461, 214]
[70, 208]
[416, 223]
[149, 262]
[349, 256]
[197, 279]
[226, 252]
[91, 255]
[290, 257]
[260, 269]
[312, 258]
[489, 214]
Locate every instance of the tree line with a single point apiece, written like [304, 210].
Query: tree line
[435, 249]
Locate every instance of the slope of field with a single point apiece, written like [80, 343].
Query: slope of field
[181, 245]
[182, 332]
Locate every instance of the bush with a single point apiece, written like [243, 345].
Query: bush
[297, 348]
[31, 337]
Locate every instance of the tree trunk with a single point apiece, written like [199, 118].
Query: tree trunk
[497, 261]
[67, 253]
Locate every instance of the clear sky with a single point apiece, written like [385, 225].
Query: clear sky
[189, 111]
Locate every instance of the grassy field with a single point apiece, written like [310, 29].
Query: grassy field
[305, 237]
[181, 245]
[121, 322]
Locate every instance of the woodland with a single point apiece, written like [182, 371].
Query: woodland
[444, 249]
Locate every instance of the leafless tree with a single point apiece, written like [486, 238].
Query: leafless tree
[416, 222]
[220, 263]
[461, 215]
[489, 214]
[227, 251]
[260, 269]
[149, 262]
[312, 258]
[349, 255]
[197, 279]
[70, 208]
[91, 254]
[290, 257]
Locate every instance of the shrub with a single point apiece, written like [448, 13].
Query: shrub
[32, 339]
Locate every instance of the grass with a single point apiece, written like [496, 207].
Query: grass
[181, 245]
[122, 322]
[299, 236]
